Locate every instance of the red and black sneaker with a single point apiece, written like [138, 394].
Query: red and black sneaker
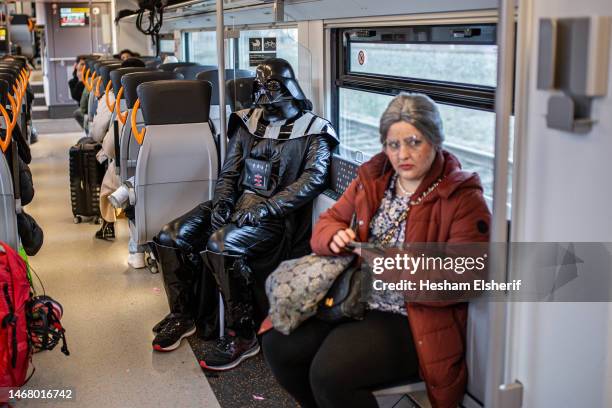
[230, 351]
[170, 336]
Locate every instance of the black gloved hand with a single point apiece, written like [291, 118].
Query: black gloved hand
[220, 215]
[250, 216]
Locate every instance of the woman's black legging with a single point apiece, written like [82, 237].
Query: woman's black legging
[332, 366]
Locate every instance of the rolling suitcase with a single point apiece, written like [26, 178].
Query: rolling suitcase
[85, 179]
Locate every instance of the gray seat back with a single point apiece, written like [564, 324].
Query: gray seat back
[190, 72]
[240, 93]
[151, 61]
[177, 163]
[8, 214]
[213, 77]
[170, 66]
[128, 147]
[115, 77]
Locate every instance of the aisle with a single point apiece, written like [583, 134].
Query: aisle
[109, 307]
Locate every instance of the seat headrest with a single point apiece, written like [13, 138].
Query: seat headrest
[105, 71]
[190, 72]
[184, 101]
[131, 81]
[11, 64]
[99, 65]
[9, 69]
[117, 74]
[240, 93]
[213, 78]
[15, 61]
[171, 65]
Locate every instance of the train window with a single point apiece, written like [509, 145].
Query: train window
[455, 65]
[201, 47]
[441, 62]
[256, 45]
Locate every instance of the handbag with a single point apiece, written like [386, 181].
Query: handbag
[297, 286]
[347, 298]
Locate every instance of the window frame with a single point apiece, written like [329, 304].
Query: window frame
[471, 96]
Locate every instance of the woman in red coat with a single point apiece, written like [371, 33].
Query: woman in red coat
[338, 365]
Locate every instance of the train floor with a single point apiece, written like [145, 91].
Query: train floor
[109, 307]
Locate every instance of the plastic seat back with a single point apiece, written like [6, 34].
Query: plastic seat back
[128, 147]
[240, 93]
[170, 66]
[177, 164]
[213, 78]
[8, 215]
[190, 72]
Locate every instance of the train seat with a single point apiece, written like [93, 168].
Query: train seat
[213, 77]
[120, 108]
[177, 163]
[190, 72]
[240, 93]
[92, 105]
[170, 66]
[150, 61]
[8, 205]
[128, 146]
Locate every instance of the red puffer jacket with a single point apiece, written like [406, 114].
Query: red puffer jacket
[454, 212]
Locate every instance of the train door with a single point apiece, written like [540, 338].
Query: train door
[72, 29]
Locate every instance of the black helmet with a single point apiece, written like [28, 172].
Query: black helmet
[275, 81]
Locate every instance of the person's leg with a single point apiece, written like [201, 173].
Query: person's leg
[229, 251]
[176, 249]
[110, 183]
[290, 357]
[358, 357]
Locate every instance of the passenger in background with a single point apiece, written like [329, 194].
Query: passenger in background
[76, 88]
[102, 132]
[125, 54]
[329, 365]
[277, 162]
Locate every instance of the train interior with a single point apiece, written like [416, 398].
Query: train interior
[523, 89]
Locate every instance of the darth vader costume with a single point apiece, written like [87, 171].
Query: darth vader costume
[278, 159]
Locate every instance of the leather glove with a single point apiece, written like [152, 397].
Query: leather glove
[250, 216]
[220, 215]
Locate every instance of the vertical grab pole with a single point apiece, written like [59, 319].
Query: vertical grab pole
[222, 121]
[221, 70]
[91, 41]
[8, 28]
[499, 229]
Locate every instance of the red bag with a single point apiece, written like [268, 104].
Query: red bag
[15, 351]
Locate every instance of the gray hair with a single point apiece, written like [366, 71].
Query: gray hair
[418, 110]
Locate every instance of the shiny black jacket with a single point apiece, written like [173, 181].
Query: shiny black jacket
[299, 165]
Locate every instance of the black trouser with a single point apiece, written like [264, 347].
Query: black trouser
[189, 286]
[331, 366]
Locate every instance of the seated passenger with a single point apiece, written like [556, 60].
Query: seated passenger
[329, 365]
[76, 87]
[277, 162]
[104, 133]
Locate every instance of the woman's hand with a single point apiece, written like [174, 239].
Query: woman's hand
[341, 239]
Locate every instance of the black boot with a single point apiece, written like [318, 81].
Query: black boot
[106, 231]
[190, 294]
[234, 278]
